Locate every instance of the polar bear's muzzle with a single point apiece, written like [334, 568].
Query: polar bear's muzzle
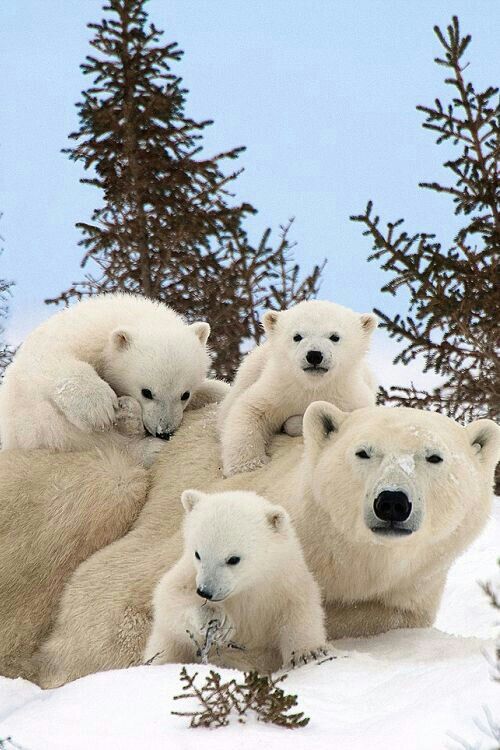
[393, 508]
[393, 513]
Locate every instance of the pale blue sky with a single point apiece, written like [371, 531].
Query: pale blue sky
[321, 92]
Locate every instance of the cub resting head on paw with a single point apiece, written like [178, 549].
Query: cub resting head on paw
[63, 387]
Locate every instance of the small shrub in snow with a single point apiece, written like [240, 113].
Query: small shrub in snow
[256, 693]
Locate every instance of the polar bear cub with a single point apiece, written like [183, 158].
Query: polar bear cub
[63, 385]
[314, 352]
[243, 581]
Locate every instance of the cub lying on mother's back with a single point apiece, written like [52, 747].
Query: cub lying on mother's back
[314, 352]
[64, 383]
[243, 559]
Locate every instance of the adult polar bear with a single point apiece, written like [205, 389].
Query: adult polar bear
[360, 485]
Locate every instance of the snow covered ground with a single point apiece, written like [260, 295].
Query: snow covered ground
[408, 689]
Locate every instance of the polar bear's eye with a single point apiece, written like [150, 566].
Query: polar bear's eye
[233, 560]
[147, 393]
[362, 454]
[434, 459]
[197, 555]
[297, 337]
[185, 396]
[335, 337]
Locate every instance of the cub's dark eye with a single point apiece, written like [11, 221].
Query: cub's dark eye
[335, 337]
[362, 454]
[185, 396]
[197, 555]
[434, 459]
[233, 560]
[297, 337]
[147, 393]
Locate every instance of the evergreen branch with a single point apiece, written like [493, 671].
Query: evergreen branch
[257, 693]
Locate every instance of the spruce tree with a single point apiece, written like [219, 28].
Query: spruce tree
[164, 204]
[168, 227]
[454, 292]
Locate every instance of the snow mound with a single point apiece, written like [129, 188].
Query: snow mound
[407, 688]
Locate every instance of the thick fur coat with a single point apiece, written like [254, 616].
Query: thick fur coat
[370, 581]
[243, 581]
[55, 511]
[315, 351]
[61, 390]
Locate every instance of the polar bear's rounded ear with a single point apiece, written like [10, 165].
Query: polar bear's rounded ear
[484, 437]
[269, 321]
[121, 338]
[369, 322]
[201, 331]
[321, 421]
[190, 499]
[277, 518]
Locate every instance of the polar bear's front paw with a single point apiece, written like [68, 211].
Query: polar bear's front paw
[210, 629]
[90, 406]
[148, 449]
[230, 469]
[128, 418]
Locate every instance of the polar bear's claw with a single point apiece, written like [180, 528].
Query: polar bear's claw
[316, 655]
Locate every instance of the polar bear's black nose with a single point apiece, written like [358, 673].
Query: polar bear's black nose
[204, 593]
[164, 435]
[314, 358]
[393, 506]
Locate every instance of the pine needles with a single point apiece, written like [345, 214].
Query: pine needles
[454, 293]
[169, 227]
[493, 594]
[256, 693]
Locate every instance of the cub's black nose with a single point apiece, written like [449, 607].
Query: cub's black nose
[164, 435]
[204, 593]
[393, 506]
[314, 358]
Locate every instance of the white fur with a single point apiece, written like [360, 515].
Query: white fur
[65, 380]
[268, 603]
[273, 388]
[369, 583]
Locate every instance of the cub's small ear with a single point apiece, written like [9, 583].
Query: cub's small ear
[369, 322]
[191, 498]
[269, 320]
[321, 421]
[121, 338]
[277, 518]
[202, 331]
[484, 437]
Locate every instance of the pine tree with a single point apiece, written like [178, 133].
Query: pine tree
[6, 351]
[251, 279]
[163, 203]
[168, 227]
[454, 292]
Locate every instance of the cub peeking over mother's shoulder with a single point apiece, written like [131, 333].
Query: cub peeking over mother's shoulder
[63, 385]
[314, 352]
